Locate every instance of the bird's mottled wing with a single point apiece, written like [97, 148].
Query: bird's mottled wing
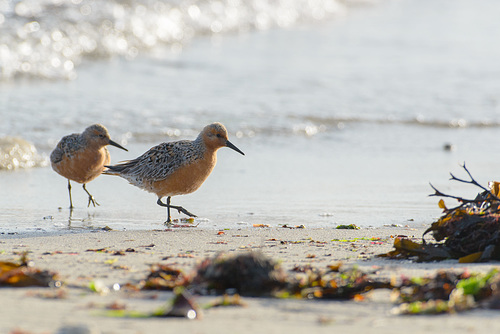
[67, 146]
[160, 161]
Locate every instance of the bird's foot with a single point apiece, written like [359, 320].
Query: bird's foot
[92, 201]
[180, 209]
[91, 198]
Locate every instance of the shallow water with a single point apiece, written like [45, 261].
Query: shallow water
[342, 121]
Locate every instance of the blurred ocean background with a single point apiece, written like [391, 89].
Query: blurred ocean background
[346, 109]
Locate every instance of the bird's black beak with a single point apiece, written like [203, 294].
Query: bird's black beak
[230, 145]
[117, 145]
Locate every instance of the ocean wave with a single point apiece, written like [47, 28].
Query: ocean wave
[298, 126]
[51, 38]
[18, 153]
[341, 122]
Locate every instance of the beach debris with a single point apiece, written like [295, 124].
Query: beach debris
[182, 305]
[24, 274]
[448, 292]
[182, 222]
[186, 255]
[423, 252]
[334, 282]
[112, 252]
[348, 227]
[469, 232]
[293, 227]
[226, 300]
[248, 274]
[449, 147]
[254, 274]
[393, 225]
[101, 288]
[116, 305]
[172, 225]
[99, 250]
[164, 277]
[371, 239]
[261, 225]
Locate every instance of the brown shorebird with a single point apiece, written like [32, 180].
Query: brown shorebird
[81, 157]
[175, 168]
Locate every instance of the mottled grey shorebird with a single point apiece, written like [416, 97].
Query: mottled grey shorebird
[175, 168]
[81, 157]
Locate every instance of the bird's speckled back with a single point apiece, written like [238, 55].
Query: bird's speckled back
[160, 161]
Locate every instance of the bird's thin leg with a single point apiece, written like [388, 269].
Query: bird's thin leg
[169, 219]
[70, 200]
[91, 198]
[178, 208]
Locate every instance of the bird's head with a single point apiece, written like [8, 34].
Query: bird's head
[215, 136]
[98, 135]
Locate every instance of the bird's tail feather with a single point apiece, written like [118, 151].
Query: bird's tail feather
[119, 169]
[113, 169]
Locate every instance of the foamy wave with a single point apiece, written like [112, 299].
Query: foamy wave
[340, 122]
[296, 125]
[19, 153]
[50, 38]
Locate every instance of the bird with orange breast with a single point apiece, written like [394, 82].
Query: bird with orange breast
[81, 157]
[175, 168]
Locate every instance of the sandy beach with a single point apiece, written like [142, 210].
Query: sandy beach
[73, 257]
[346, 112]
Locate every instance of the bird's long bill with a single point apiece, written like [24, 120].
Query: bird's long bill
[117, 145]
[230, 145]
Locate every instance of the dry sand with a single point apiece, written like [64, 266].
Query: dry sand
[30, 309]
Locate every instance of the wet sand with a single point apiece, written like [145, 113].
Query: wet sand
[31, 309]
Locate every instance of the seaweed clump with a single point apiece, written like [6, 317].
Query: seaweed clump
[469, 232]
[448, 292]
[254, 274]
[24, 274]
[250, 274]
[333, 283]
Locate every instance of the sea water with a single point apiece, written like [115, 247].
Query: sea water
[345, 110]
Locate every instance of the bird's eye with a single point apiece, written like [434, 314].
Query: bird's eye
[218, 135]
